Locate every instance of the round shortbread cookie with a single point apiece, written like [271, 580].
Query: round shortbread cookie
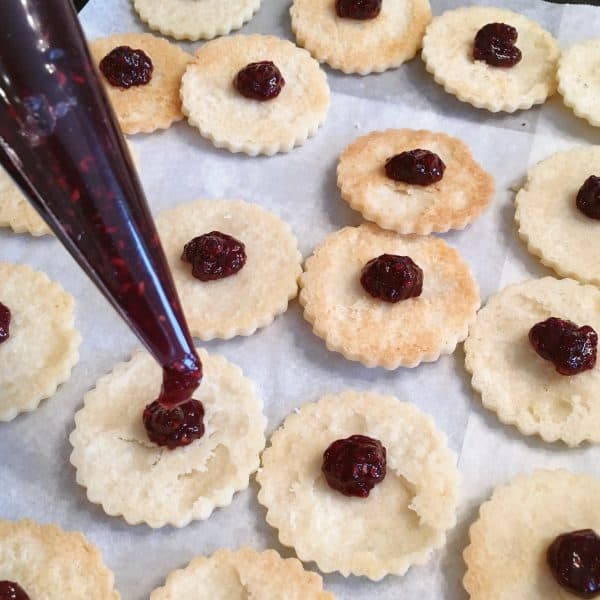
[404, 518]
[242, 574]
[452, 203]
[249, 299]
[229, 120]
[506, 557]
[43, 345]
[130, 476]
[579, 79]
[52, 564]
[156, 105]
[195, 19]
[378, 333]
[448, 56]
[356, 46]
[550, 223]
[519, 385]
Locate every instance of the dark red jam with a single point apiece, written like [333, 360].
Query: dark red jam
[214, 255]
[418, 167]
[572, 349]
[588, 197]
[176, 427]
[495, 45]
[259, 81]
[392, 278]
[125, 67]
[358, 9]
[9, 590]
[354, 465]
[4, 322]
[574, 559]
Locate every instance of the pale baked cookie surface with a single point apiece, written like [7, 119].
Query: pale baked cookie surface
[448, 55]
[195, 19]
[156, 105]
[579, 79]
[229, 120]
[463, 193]
[252, 297]
[52, 564]
[43, 344]
[514, 381]
[549, 221]
[405, 516]
[355, 46]
[130, 476]
[379, 333]
[242, 574]
[506, 557]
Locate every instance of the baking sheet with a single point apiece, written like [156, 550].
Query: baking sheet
[288, 364]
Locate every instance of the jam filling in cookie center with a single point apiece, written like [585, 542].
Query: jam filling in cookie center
[4, 322]
[392, 278]
[9, 590]
[572, 349]
[574, 559]
[358, 9]
[259, 81]
[588, 197]
[417, 167]
[175, 427]
[495, 45]
[125, 67]
[214, 255]
[354, 465]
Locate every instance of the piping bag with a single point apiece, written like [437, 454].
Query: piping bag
[61, 143]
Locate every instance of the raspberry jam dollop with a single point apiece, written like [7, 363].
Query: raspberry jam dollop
[125, 67]
[574, 559]
[354, 465]
[572, 349]
[214, 255]
[358, 9]
[588, 197]
[259, 81]
[175, 427]
[392, 278]
[495, 45]
[418, 167]
[9, 590]
[4, 322]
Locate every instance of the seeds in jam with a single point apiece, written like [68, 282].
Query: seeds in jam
[574, 559]
[259, 81]
[175, 427]
[495, 44]
[358, 9]
[572, 349]
[9, 590]
[392, 278]
[125, 67]
[214, 255]
[588, 197]
[354, 465]
[417, 167]
[4, 322]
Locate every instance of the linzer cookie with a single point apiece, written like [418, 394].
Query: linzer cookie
[241, 574]
[142, 75]
[372, 472]
[491, 58]
[558, 213]
[195, 20]
[413, 181]
[358, 36]
[256, 94]
[387, 300]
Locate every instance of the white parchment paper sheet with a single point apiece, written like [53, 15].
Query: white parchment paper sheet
[288, 364]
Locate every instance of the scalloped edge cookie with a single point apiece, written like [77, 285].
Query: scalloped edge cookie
[452, 203]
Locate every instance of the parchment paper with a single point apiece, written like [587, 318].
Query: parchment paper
[289, 365]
